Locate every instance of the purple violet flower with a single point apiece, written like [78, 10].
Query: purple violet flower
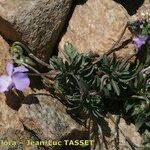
[139, 41]
[16, 78]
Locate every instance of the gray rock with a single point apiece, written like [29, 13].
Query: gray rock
[37, 23]
[39, 118]
[95, 26]
[47, 119]
[4, 53]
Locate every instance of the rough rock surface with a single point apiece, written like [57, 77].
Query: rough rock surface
[37, 23]
[39, 118]
[129, 130]
[95, 26]
[47, 118]
[143, 10]
[4, 54]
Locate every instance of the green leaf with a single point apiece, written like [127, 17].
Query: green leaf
[96, 81]
[83, 86]
[56, 63]
[70, 52]
[109, 87]
[115, 87]
[147, 124]
[75, 108]
[140, 120]
[77, 61]
[88, 72]
[106, 92]
[129, 106]
[103, 80]
[97, 114]
[105, 60]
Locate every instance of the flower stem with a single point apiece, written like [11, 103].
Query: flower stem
[31, 55]
[34, 70]
[112, 49]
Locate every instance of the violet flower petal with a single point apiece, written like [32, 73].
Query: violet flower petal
[9, 69]
[139, 41]
[21, 81]
[20, 69]
[5, 83]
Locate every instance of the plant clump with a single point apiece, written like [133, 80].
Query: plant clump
[93, 87]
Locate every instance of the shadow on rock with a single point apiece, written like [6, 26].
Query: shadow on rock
[30, 99]
[130, 5]
[80, 2]
[14, 99]
[36, 82]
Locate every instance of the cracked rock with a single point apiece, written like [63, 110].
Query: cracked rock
[36, 23]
